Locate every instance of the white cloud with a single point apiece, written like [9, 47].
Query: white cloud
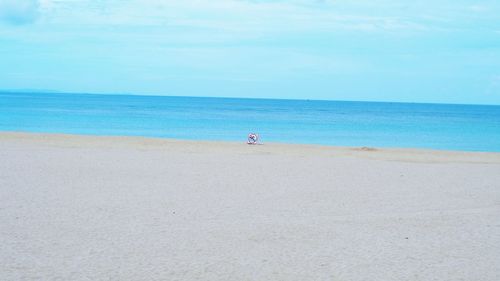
[18, 12]
[244, 16]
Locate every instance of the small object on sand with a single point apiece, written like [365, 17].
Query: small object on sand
[253, 138]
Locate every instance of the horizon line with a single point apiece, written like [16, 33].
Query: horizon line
[35, 91]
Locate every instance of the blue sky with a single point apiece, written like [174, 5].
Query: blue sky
[410, 51]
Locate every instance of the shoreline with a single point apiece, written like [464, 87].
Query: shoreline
[380, 153]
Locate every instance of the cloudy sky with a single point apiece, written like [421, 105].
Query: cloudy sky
[415, 51]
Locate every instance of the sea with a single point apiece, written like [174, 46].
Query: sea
[336, 123]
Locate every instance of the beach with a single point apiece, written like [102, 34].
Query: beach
[130, 208]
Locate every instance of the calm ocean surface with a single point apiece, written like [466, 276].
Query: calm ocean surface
[438, 126]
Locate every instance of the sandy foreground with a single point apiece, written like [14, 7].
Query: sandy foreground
[126, 208]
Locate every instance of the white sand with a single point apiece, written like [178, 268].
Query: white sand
[114, 208]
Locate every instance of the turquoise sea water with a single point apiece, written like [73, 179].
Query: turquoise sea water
[438, 126]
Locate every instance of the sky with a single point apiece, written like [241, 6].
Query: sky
[440, 51]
